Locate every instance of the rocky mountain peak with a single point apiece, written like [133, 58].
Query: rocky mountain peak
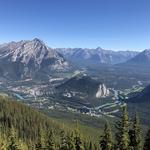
[32, 56]
[34, 50]
[143, 58]
[99, 49]
[147, 52]
[37, 40]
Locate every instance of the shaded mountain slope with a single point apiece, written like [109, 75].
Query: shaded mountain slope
[141, 104]
[85, 85]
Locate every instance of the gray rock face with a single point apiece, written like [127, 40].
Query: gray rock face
[102, 91]
[29, 57]
[97, 56]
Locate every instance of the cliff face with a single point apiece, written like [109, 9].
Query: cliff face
[102, 91]
[84, 85]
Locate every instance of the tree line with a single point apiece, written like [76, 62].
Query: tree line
[127, 136]
[22, 128]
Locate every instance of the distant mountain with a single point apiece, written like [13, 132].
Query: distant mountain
[96, 56]
[32, 59]
[26, 59]
[142, 58]
[84, 85]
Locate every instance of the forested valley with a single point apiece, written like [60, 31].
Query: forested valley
[23, 128]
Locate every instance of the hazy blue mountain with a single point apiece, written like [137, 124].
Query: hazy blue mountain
[142, 58]
[96, 56]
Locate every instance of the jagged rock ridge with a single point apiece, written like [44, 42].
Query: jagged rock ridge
[28, 58]
[141, 58]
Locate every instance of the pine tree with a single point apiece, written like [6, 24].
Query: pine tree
[91, 146]
[64, 144]
[122, 135]
[3, 142]
[147, 141]
[30, 144]
[86, 144]
[50, 142]
[23, 146]
[12, 140]
[40, 145]
[135, 135]
[78, 141]
[106, 142]
[70, 141]
[96, 146]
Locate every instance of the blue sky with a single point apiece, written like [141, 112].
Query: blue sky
[110, 24]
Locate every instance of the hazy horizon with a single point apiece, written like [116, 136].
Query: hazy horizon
[91, 48]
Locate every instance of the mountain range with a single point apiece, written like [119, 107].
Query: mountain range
[26, 59]
[32, 59]
[29, 59]
[96, 56]
[142, 58]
